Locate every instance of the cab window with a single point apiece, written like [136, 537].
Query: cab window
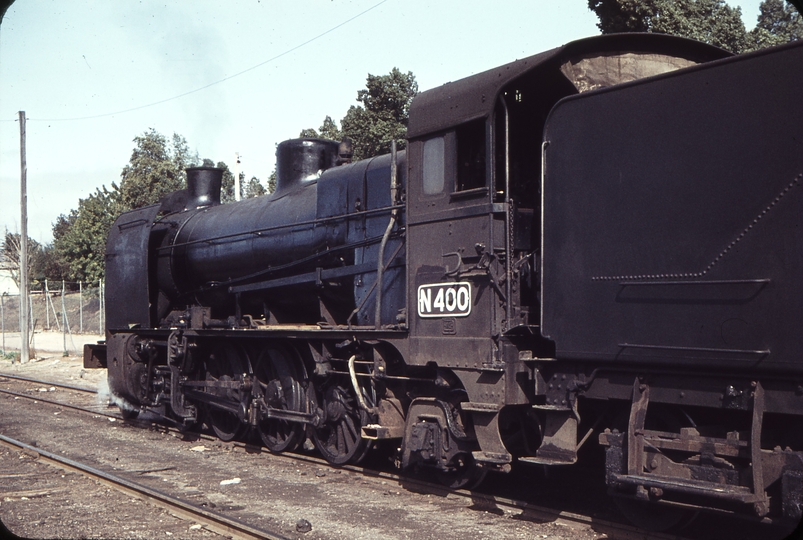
[434, 166]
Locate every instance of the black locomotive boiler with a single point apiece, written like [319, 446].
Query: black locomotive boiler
[599, 247]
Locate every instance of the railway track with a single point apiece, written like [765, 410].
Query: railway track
[211, 520]
[534, 512]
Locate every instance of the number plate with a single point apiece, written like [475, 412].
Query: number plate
[444, 300]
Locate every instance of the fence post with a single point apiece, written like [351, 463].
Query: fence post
[64, 321]
[100, 307]
[47, 313]
[31, 340]
[3, 319]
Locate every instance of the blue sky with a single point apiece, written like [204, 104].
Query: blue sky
[79, 67]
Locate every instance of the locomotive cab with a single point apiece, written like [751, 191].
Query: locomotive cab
[474, 224]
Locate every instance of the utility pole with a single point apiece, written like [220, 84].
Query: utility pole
[25, 352]
[236, 176]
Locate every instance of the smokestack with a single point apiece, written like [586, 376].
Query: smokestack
[299, 160]
[203, 186]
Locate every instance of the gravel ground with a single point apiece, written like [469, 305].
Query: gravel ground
[269, 492]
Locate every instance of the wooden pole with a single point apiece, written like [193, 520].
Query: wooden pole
[25, 351]
[47, 313]
[64, 321]
[81, 307]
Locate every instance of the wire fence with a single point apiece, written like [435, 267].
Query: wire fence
[57, 307]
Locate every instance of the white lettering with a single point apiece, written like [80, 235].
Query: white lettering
[451, 299]
[438, 303]
[463, 298]
[424, 300]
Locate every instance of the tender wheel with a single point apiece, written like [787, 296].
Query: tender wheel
[225, 363]
[279, 373]
[340, 440]
[464, 473]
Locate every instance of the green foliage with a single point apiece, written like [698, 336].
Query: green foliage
[153, 171]
[49, 264]
[79, 238]
[227, 185]
[254, 188]
[328, 130]
[272, 181]
[778, 23]
[710, 21]
[381, 118]
[14, 356]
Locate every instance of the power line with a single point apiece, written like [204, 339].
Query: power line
[243, 72]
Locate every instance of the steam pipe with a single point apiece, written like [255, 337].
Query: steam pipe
[381, 264]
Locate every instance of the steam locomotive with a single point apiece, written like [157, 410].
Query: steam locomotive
[597, 247]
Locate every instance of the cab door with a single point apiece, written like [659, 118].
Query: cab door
[457, 231]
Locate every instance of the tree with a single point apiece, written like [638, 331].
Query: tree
[154, 170]
[49, 264]
[778, 22]
[227, 184]
[328, 130]
[79, 238]
[710, 21]
[381, 118]
[254, 188]
[272, 181]
[12, 253]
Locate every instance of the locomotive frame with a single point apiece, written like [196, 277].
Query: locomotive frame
[527, 274]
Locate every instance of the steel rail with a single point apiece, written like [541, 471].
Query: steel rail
[59, 403]
[210, 520]
[49, 383]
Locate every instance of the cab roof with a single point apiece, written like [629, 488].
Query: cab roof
[474, 97]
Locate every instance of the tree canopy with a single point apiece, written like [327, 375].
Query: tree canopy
[156, 168]
[710, 21]
[380, 119]
[80, 237]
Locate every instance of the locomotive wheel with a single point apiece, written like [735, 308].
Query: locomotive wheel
[340, 440]
[466, 474]
[279, 373]
[224, 363]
